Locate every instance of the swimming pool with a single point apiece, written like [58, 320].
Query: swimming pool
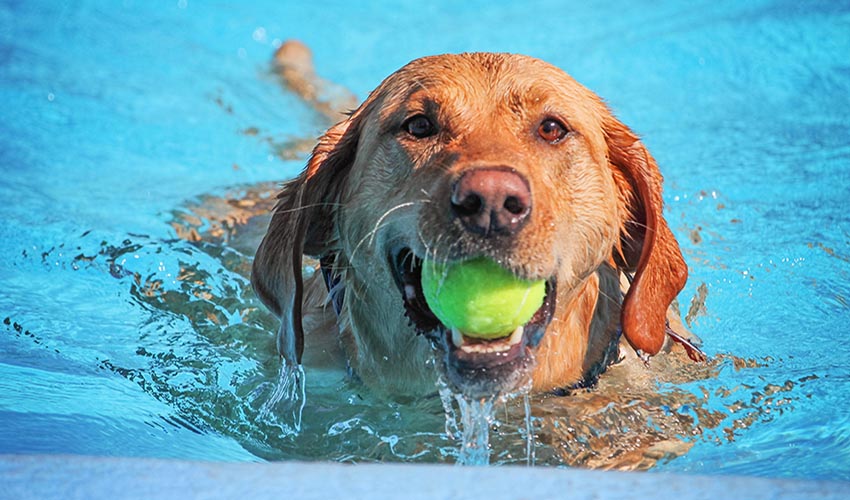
[119, 338]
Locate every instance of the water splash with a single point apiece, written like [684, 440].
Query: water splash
[285, 406]
[476, 415]
[469, 421]
[529, 431]
[447, 398]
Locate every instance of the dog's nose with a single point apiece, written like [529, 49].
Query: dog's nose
[491, 200]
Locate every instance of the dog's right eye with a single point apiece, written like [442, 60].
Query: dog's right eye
[419, 126]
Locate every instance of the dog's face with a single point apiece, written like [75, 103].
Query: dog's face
[497, 157]
[456, 157]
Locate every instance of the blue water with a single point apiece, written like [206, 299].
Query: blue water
[116, 115]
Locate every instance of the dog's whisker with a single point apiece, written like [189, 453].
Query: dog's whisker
[363, 240]
[280, 210]
[378, 225]
[638, 225]
[612, 299]
[386, 214]
[421, 85]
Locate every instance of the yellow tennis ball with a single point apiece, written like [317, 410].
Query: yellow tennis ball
[479, 297]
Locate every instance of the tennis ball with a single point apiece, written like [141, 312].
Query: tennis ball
[479, 297]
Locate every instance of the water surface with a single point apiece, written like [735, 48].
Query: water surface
[119, 338]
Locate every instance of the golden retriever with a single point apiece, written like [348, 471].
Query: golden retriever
[454, 157]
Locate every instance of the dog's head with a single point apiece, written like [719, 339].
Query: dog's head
[459, 156]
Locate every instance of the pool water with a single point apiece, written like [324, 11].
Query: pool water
[121, 338]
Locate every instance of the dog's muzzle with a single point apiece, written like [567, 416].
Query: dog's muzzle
[474, 366]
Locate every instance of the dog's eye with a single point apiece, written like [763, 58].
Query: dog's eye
[551, 130]
[419, 126]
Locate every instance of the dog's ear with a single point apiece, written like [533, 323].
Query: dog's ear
[303, 222]
[648, 247]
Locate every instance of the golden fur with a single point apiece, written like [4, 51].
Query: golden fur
[368, 186]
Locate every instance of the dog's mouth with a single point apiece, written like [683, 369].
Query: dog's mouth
[475, 366]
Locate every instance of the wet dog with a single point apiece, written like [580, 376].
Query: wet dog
[455, 157]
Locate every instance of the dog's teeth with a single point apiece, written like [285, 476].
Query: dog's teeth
[487, 347]
[516, 336]
[495, 346]
[457, 337]
[409, 292]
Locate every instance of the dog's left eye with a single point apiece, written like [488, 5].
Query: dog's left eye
[419, 126]
[551, 130]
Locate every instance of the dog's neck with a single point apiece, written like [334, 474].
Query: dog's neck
[578, 346]
[394, 357]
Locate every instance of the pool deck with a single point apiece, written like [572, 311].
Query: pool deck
[72, 477]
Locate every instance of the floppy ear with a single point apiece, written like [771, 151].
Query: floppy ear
[648, 247]
[303, 222]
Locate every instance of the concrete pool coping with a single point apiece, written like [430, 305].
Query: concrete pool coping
[72, 476]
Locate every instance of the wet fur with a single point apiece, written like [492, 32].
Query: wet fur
[597, 214]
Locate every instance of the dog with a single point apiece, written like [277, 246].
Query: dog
[455, 157]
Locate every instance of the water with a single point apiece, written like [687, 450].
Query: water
[468, 421]
[529, 431]
[121, 338]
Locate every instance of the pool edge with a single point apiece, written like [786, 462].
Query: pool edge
[74, 476]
